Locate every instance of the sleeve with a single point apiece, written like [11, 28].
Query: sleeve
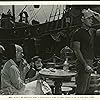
[25, 68]
[77, 36]
[15, 78]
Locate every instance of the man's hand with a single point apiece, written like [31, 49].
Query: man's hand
[88, 69]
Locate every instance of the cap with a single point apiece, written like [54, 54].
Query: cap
[87, 13]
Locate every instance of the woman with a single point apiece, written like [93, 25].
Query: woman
[35, 67]
[33, 75]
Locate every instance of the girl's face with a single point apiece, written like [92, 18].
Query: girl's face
[38, 64]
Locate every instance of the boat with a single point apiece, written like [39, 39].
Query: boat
[43, 39]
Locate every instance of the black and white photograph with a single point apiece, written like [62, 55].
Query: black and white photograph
[50, 49]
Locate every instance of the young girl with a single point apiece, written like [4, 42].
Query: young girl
[35, 67]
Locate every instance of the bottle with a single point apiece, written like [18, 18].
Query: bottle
[66, 65]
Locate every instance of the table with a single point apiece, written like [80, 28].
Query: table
[58, 76]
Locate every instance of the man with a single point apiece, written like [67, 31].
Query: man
[83, 49]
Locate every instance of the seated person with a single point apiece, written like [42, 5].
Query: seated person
[35, 67]
[12, 77]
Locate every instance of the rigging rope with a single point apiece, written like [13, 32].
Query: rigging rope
[44, 13]
[21, 11]
[35, 14]
[32, 13]
[29, 10]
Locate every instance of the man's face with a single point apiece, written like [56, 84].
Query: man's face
[88, 21]
[19, 55]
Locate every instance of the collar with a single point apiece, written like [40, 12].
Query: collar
[12, 62]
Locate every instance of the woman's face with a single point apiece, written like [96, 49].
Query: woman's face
[38, 64]
[19, 55]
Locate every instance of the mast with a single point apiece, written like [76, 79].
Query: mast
[13, 11]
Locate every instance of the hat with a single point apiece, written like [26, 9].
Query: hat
[18, 48]
[87, 13]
